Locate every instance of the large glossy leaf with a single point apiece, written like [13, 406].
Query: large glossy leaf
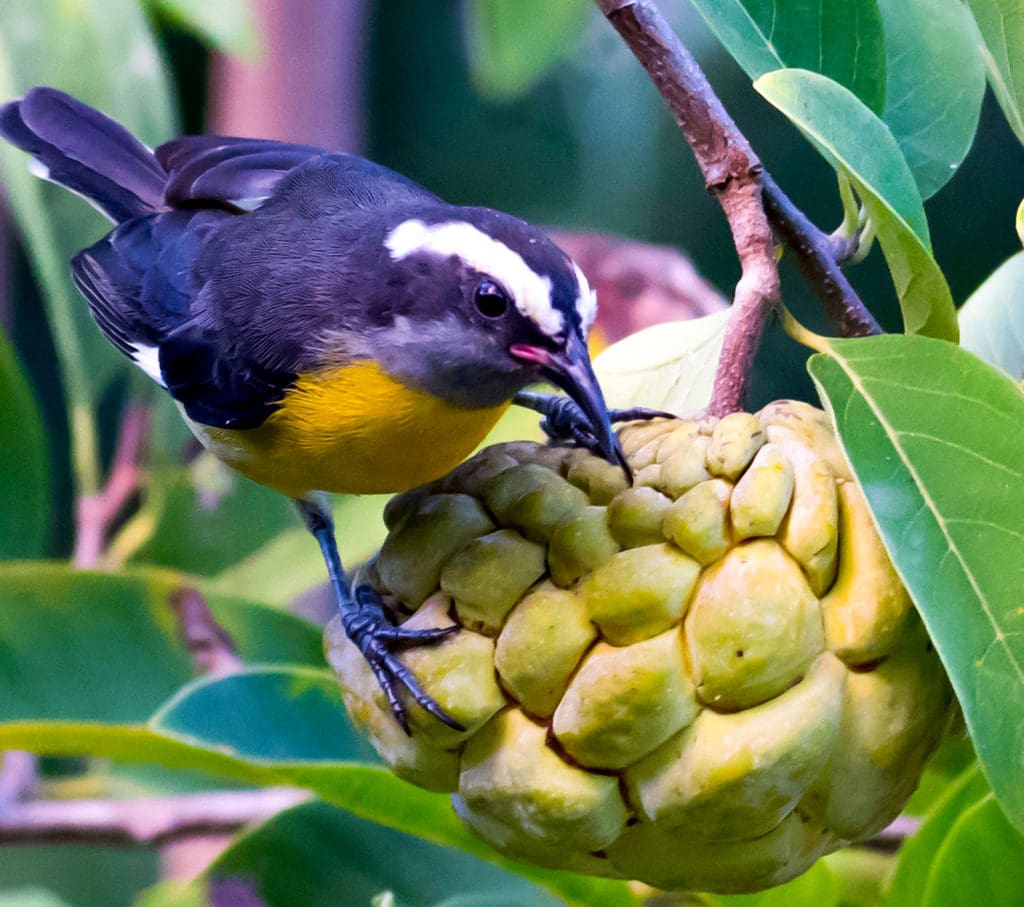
[98, 647]
[101, 51]
[842, 39]
[1002, 31]
[936, 81]
[917, 855]
[287, 726]
[25, 471]
[227, 25]
[934, 436]
[859, 145]
[316, 854]
[992, 319]
[513, 43]
[981, 860]
[668, 366]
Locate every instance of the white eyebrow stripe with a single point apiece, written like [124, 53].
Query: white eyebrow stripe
[530, 291]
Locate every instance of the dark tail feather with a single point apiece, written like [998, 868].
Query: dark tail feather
[86, 152]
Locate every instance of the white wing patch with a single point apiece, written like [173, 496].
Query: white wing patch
[148, 359]
[530, 291]
[586, 302]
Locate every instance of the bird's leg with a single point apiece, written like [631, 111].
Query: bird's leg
[564, 420]
[366, 623]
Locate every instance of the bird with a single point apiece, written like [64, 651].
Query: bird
[324, 324]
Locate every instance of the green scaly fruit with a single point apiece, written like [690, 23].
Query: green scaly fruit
[704, 681]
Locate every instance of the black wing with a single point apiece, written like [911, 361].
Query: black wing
[237, 174]
[147, 281]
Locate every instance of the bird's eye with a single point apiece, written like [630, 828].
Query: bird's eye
[490, 300]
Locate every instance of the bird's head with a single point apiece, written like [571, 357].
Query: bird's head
[482, 305]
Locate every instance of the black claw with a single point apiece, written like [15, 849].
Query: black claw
[367, 625]
[387, 683]
[564, 420]
[638, 412]
[401, 637]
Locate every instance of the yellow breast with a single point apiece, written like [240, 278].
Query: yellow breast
[354, 430]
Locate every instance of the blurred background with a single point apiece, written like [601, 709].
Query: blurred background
[429, 88]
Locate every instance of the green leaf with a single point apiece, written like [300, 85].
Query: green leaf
[1002, 31]
[207, 517]
[227, 25]
[917, 855]
[992, 319]
[934, 436]
[953, 758]
[316, 854]
[512, 44]
[25, 473]
[860, 875]
[817, 887]
[30, 897]
[859, 145]
[936, 81]
[1018, 222]
[668, 366]
[99, 647]
[173, 893]
[291, 563]
[288, 726]
[102, 52]
[981, 860]
[842, 39]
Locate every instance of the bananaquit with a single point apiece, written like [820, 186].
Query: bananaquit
[324, 324]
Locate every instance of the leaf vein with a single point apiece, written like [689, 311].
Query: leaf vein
[939, 519]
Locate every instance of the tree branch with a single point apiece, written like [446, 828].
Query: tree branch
[754, 205]
[152, 821]
[732, 173]
[818, 257]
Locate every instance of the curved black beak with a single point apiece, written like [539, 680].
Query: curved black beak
[570, 369]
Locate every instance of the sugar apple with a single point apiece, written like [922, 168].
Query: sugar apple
[704, 680]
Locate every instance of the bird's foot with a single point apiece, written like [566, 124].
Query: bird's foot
[366, 623]
[564, 420]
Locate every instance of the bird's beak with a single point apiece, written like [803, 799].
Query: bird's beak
[570, 369]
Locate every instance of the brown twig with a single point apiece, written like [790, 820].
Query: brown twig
[732, 173]
[211, 647]
[144, 822]
[890, 839]
[96, 512]
[17, 777]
